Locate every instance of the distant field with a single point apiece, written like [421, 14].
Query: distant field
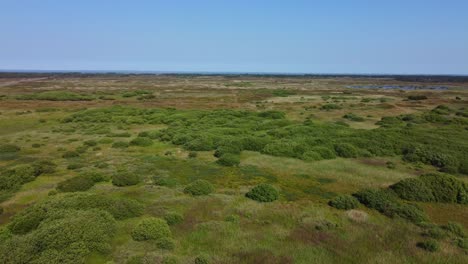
[111, 168]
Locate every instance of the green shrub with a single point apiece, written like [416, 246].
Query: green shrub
[141, 142]
[344, 202]
[417, 97]
[311, 156]
[202, 143]
[75, 166]
[222, 150]
[455, 229]
[253, 143]
[166, 243]
[324, 152]
[329, 107]
[346, 150]
[192, 154]
[14, 178]
[95, 176]
[353, 117]
[201, 260]
[263, 193]
[124, 178]
[76, 184]
[173, 218]
[9, 148]
[90, 143]
[435, 232]
[65, 237]
[229, 160]
[413, 189]
[386, 203]
[151, 229]
[199, 187]
[120, 144]
[446, 188]
[461, 242]
[1, 210]
[43, 167]
[70, 154]
[429, 245]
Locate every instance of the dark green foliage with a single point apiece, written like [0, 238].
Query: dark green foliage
[95, 176]
[430, 155]
[12, 179]
[151, 229]
[446, 188]
[435, 232]
[429, 245]
[1, 210]
[63, 237]
[229, 159]
[311, 155]
[199, 187]
[386, 203]
[166, 243]
[462, 243]
[413, 189]
[192, 154]
[30, 218]
[230, 149]
[141, 142]
[329, 107]
[263, 193]
[173, 218]
[417, 97]
[9, 148]
[120, 144]
[201, 260]
[346, 150]
[254, 143]
[90, 143]
[344, 202]
[324, 152]
[70, 154]
[76, 184]
[353, 117]
[125, 178]
[44, 167]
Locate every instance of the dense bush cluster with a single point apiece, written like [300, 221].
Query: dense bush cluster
[344, 202]
[432, 188]
[125, 178]
[13, 178]
[65, 228]
[229, 159]
[9, 148]
[76, 184]
[141, 142]
[151, 229]
[269, 132]
[387, 203]
[429, 245]
[263, 193]
[199, 187]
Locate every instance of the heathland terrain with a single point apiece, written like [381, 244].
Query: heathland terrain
[125, 168]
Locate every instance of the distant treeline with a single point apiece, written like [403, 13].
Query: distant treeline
[405, 78]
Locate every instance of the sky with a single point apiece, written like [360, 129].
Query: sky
[374, 36]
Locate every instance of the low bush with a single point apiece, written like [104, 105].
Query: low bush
[413, 189]
[141, 142]
[192, 154]
[229, 160]
[325, 152]
[166, 243]
[435, 232]
[417, 97]
[90, 143]
[76, 184]
[311, 156]
[263, 193]
[429, 245]
[455, 229]
[9, 148]
[199, 187]
[446, 188]
[346, 150]
[70, 154]
[124, 178]
[43, 167]
[344, 202]
[151, 229]
[220, 151]
[329, 107]
[14, 178]
[353, 117]
[120, 144]
[173, 218]
[386, 203]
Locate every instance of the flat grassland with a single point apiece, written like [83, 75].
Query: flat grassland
[86, 159]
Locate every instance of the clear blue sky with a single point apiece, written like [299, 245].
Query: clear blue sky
[374, 36]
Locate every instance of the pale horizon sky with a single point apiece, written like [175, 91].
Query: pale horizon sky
[353, 37]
